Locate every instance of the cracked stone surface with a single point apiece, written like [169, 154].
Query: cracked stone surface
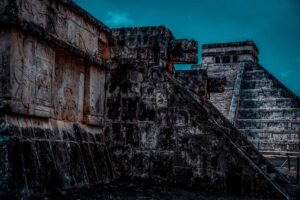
[83, 105]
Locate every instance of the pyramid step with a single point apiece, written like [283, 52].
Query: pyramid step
[271, 133]
[268, 103]
[276, 145]
[290, 139]
[262, 93]
[256, 84]
[252, 67]
[280, 154]
[278, 141]
[269, 113]
[278, 124]
[255, 74]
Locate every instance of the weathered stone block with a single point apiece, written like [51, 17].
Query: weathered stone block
[11, 167]
[129, 109]
[141, 164]
[68, 26]
[166, 139]
[183, 51]
[148, 135]
[116, 110]
[27, 66]
[94, 96]
[76, 165]
[88, 163]
[162, 168]
[118, 133]
[62, 160]
[147, 110]
[132, 135]
[121, 160]
[113, 108]
[69, 88]
[32, 170]
[50, 178]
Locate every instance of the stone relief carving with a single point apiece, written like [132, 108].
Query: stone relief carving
[43, 81]
[81, 37]
[26, 7]
[97, 95]
[23, 70]
[68, 108]
[68, 88]
[32, 75]
[35, 12]
[67, 26]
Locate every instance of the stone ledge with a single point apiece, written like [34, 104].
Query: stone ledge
[39, 32]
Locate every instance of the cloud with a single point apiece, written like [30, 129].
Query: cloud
[285, 74]
[118, 19]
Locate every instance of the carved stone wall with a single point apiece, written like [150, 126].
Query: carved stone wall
[69, 83]
[64, 23]
[214, 59]
[74, 114]
[167, 139]
[28, 66]
[263, 109]
[195, 80]
[269, 114]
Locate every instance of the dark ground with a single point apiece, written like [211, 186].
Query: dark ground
[138, 191]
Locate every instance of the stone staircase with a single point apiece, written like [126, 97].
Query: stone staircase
[242, 145]
[269, 115]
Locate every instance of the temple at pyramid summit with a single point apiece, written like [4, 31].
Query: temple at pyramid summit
[260, 106]
[92, 112]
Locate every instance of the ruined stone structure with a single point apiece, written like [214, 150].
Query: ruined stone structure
[228, 60]
[84, 105]
[263, 109]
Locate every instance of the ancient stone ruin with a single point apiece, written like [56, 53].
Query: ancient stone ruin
[85, 106]
[263, 109]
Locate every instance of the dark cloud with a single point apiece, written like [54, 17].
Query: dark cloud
[118, 19]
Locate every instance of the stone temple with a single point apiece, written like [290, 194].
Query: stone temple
[90, 112]
[262, 108]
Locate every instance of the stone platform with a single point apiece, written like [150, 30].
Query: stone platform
[82, 105]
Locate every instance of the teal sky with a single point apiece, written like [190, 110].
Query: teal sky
[274, 25]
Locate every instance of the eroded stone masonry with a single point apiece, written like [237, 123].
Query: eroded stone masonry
[85, 106]
[262, 108]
